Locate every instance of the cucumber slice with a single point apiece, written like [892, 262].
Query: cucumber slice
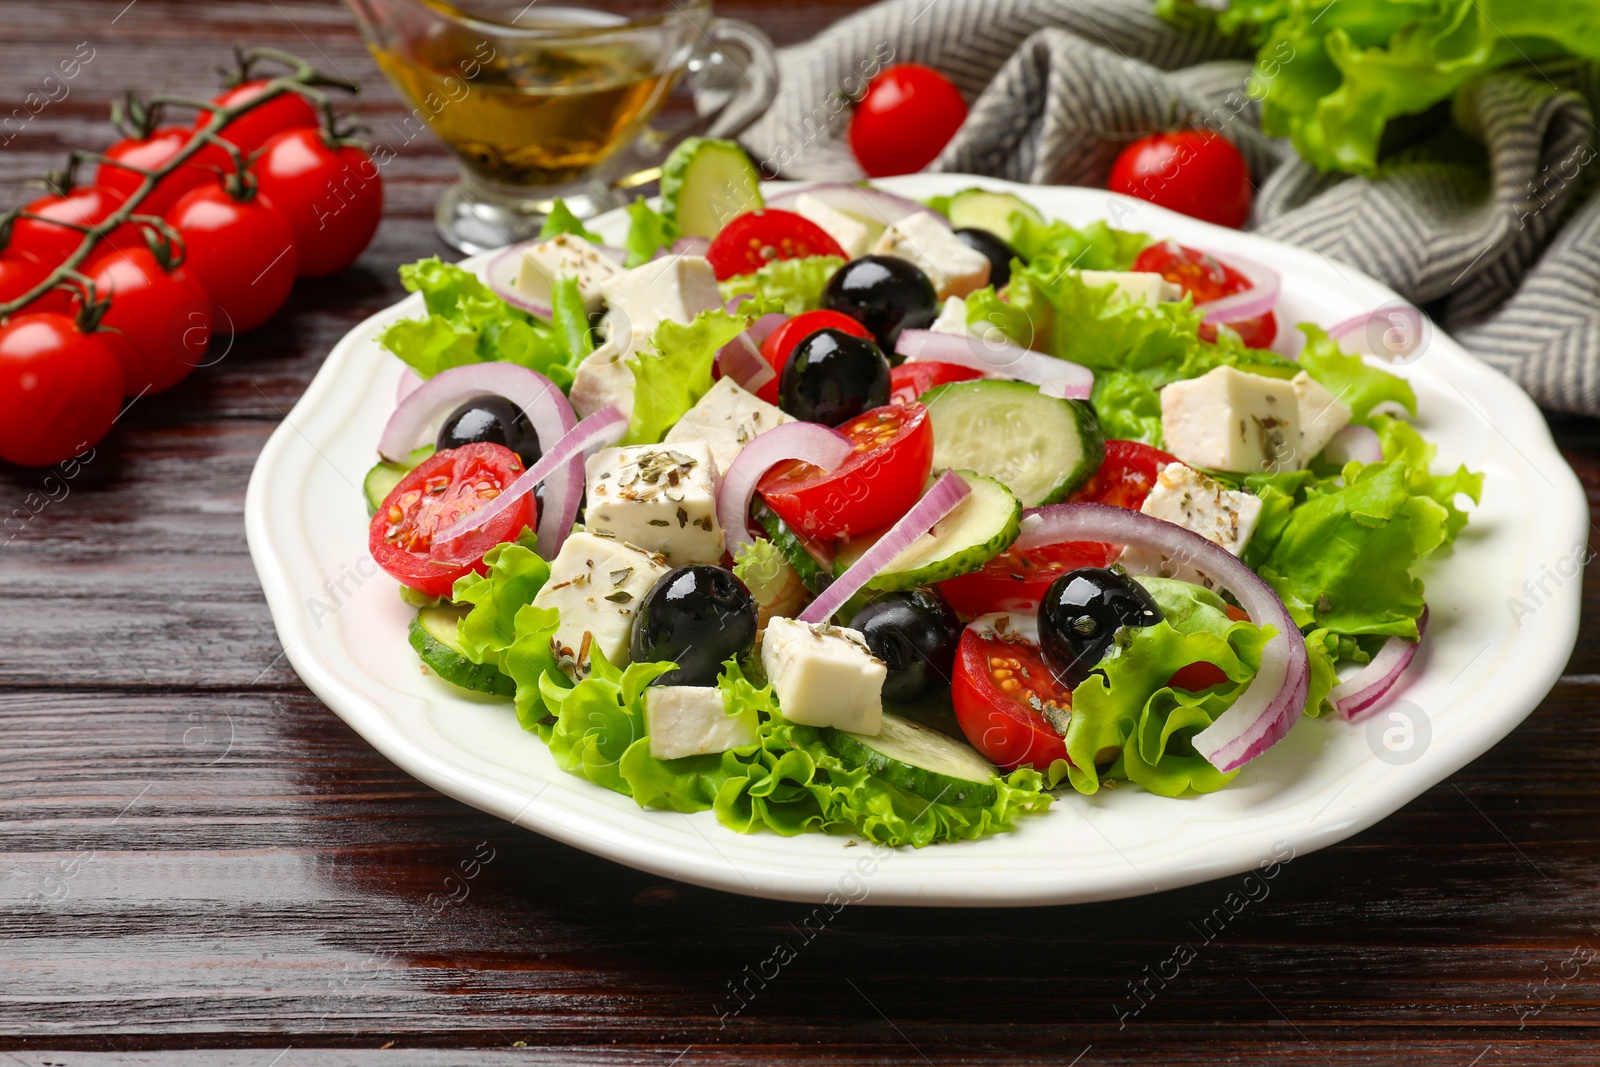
[980, 528]
[1040, 446]
[991, 211]
[433, 636]
[920, 760]
[706, 183]
[813, 574]
[382, 479]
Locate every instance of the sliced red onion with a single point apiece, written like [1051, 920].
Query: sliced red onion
[742, 361]
[762, 328]
[940, 500]
[1396, 333]
[858, 201]
[810, 442]
[417, 416]
[1354, 443]
[603, 428]
[1260, 298]
[500, 275]
[1054, 377]
[1364, 692]
[688, 246]
[1276, 696]
[409, 380]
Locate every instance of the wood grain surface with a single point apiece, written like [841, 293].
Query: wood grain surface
[195, 854]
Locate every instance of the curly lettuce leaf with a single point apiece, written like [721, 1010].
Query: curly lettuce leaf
[1349, 378]
[789, 285]
[466, 323]
[515, 573]
[675, 371]
[561, 220]
[569, 319]
[1096, 246]
[649, 231]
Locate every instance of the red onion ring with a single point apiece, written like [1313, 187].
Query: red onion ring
[500, 275]
[1260, 298]
[1054, 377]
[742, 361]
[1363, 693]
[409, 380]
[1397, 332]
[416, 416]
[1276, 696]
[762, 328]
[940, 500]
[1353, 443]
[687, 246]
[810, 442]
[857, 201]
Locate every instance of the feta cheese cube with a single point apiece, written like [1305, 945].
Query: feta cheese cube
[604, 376]
[853, 235]
[1135, 286]
[1184, 496]
[725, 420]
[1228, 420]
[954, 268]
[596, 584]
[1321, 415]
[824, 675]
[690, 720]
[952, 317]
[565, 255]
[672, 287]
[662, 498]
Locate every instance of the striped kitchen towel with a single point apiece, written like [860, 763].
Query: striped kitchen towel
[1491, 223]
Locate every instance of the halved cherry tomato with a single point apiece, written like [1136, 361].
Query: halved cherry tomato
[1195, 172]
[1001, 689]
[910, 380]
[1206, 278]
[289, 111]
[908, 115]
[756, 238]
[1016, 580]
[782, 341]
[152, 153]
[874, 486]
[443, 488]
[50, 244]
[1126, 475]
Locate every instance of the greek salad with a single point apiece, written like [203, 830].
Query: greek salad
[837, 511]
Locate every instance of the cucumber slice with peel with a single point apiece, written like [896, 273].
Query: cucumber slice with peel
[382, 479]
[920, 760]
[980, 528]
[706, 183]
[814, 575]
[995, 212]
[435, 637]
[1040, 447]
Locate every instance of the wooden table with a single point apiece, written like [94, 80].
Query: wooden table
[197, 854]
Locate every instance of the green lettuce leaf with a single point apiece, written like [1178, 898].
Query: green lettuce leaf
[789, 285]
[1349, 378]
[515, 573]
[675, 371]
[570, 322]
[466, 323]
[649, 232]
[561, 220]
[1096, 246]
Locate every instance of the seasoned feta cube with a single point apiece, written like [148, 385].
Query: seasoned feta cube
[672, 287]
[596, 583]
[853, 235]
[690, 720]
[824, 675]
[662, 498]
[952, 317]
[604, 376]
[1184, 496]
[1136, 286]
[955, 268]
[562, 256]
[1321, 415]
[725, 420]
[1228, 420]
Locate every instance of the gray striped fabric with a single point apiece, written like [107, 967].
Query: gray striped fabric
[1491, 223]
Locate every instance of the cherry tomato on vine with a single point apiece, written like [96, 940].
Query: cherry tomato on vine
[241, 251]
[1194, 172]
[50, 244]
[19, 274]
[1205, 278]
[782, 341]
[332, 197]
[255, 127]
[60, 389]
[756, 238]
[908, 115]
[159, 321]
[153, 153]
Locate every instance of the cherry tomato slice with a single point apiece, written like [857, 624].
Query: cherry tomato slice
[1205, 278]
[1016, 580]
[910, 380]
[1194, 172]
[908, 115]
[756, 238]
[443, 488]
[255, 127]
[874, 486]
[787, 337]
[1126, 475]
[1001, 690]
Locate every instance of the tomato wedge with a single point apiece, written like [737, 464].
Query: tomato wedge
[910, 380]
[787, 337]
[1206, 278]
[1125, 477]
[1003, 692]
[756, 238]
[876, 485]
[443, 488]
[1016, 580]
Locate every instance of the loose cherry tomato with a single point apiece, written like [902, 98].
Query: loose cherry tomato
[873, 487]
[159, 322]
[1002, 690]
[242, 252]
[1016, 580]
[782, 341]
[152, 153]
[446, 486]
[908, 115]
[1125, 476]
[60, 390]
[1194, 172]
[51, 244]
[1206, 278]
[19, 274]
[756, 238]
[910, 380]
[289, 111]
[332, 196]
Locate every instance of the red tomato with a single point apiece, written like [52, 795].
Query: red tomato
[332, 196]
[153, 153]
[441, 490]
[1126, 475]
[1194, 172]
[19, 274]
[876, 485]
[782, 341]
[1198, 676]
[51, 244]
[256, 127]
[1016, 580]
[1206, 278]
[908, 115]
[241, 251]
[1000, 688]
[159, 323]
[60, 390]
[756, 238]
[910, 380]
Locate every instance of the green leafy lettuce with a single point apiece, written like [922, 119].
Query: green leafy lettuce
[1349, 378]
[1096, 246]
[515, 573]
[561, 220]
[787, 285]
[649, 231]
[674, 371]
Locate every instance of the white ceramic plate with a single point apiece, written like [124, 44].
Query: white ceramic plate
[1493, 650]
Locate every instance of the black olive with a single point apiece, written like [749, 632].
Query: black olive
[1081, 614]
[494, 419]
[831, 377]
[886, 295]
[695, 616]
[997, 251]
[915, 634]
